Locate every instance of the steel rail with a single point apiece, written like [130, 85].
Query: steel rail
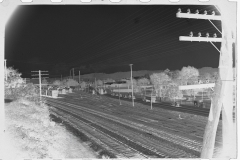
[153, 146]
[111, 144]
[158, 153]
[146, 115]
[171, 137]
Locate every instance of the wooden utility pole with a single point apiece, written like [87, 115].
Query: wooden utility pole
[132, 84]
[73, 73]
[79, 77]
[5, 66]
[223, 99]
[223, 96]
[40, 80]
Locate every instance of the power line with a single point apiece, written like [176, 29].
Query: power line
[129, 31]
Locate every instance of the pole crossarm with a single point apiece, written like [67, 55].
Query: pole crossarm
[198, 86]
[199, 39]
[198, 16]
[38, 71]
[38, 78]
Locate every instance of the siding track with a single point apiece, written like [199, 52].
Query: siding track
[129, 132]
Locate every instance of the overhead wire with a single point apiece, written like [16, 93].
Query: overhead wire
[104, 51]
[128, 31]
[205, 29]
[127, 41]
[162, 46]
[120, 22]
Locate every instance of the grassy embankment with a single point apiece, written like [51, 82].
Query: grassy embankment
[30, 133]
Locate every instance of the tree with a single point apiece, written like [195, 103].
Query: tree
[57, 82]
[173, 91]
[134, 83]
[188, 75]
[160, 81]
[44, 81]
[99, 82]
[109, 80]
[175, 74]
[14, 79]
[71, 82]
[143, 82]
[83, 84]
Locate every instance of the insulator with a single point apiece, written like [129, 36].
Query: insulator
[191, 34]
[205, 12]
[197, 11]
[207, 35]
[213, 13]
[214, 35]
[188, 11]
[179, 10]
[199, 34]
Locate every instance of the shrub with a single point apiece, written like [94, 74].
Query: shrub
[71, 82]
[99, 82]
[143, 82]
[83, 84]
[44, 81]
[57, 82]
[15, 87]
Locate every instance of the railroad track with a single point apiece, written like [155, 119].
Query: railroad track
[109, 140]
[182, 108]
[111, 144]
[157, 148]
[171, 139]
[121, 129]
[174, 123]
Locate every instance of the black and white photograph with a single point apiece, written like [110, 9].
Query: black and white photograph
[104, 80]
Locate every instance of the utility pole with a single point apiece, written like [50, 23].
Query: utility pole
[119, 95]
[61, 77]
[40, 80]
[5, 65]
[79, 77]
[70, 73]
[73, 73]
[132, 84]
[221, 101]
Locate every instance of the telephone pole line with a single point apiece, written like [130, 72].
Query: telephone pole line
[220, 101]
[132, 84]
[40, 79]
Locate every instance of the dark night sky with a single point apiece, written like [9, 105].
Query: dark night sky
[106, 38]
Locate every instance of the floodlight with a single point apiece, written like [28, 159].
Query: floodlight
[188, 11]
[199, 34]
